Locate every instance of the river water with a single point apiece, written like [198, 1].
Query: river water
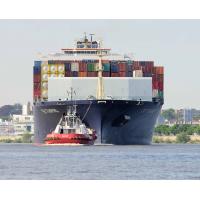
[159, 161]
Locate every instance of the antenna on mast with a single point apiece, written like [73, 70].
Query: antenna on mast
[85, 35]
[91, 34]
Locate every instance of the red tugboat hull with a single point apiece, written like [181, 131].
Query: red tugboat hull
[72, 138]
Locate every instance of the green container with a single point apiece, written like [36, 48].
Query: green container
[106, 67]
[160, 94]
[90, 67]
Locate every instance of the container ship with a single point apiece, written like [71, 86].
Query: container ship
[116, 95]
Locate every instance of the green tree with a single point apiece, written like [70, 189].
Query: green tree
[169, 114]
[182, 138]
[162, 129]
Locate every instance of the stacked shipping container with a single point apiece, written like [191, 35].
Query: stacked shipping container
[37, 80]
[158, 81]
[147, 69]
[89, 68]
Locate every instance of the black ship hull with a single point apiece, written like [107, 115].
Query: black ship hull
[116, 121]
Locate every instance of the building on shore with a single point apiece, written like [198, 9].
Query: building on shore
[19, 123]
[24, 122]
[182, 116]
[6, 128]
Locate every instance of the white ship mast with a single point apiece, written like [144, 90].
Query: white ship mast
[100, 86]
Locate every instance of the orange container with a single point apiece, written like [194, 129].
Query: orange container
[82, 74]
[159, 69]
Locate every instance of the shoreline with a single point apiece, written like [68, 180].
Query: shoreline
[157, 139]
[172, 139]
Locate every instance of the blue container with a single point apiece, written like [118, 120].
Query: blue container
[75, 74]
[129, 74]
[114, 68]
[106, 67]
[67, 67]
[130, 68]
[36, 69]
[142, 63]
[147, 74]
[37, 63]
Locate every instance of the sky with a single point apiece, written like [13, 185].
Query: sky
[174, 44]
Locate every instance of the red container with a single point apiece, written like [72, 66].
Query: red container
[136, 63]
[122, 74]
[137, 68]
[159, 77]
[122, 67]
[36, 86]
[82, 67]
[115, 74]
[92, 74]
[36, 78]
[150, 64]
[155, 85]
[36, 93]
[106, 74]
[149, 69]
[160, 86]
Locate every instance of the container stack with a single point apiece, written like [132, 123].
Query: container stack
[92, 69]
[37, 80]
[68, 69]
[106, 68]
[46, 71]
[158, 81]
[114, 69]
[82, 69]
[143, 67]
[89, 68]
[74, 69]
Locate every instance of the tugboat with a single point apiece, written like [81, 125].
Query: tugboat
[71, 130]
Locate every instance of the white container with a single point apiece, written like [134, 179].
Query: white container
[44, 93]
[74, 67]
[154, 92]
[52, 75]
[45, 69]
[137, 73]
[45, 85]
[44, 77]
[61, 68]
[53, 68]
[61, 75]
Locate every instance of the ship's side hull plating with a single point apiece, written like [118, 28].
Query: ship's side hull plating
[116, 122]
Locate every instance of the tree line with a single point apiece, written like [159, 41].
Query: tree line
[177, 128]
